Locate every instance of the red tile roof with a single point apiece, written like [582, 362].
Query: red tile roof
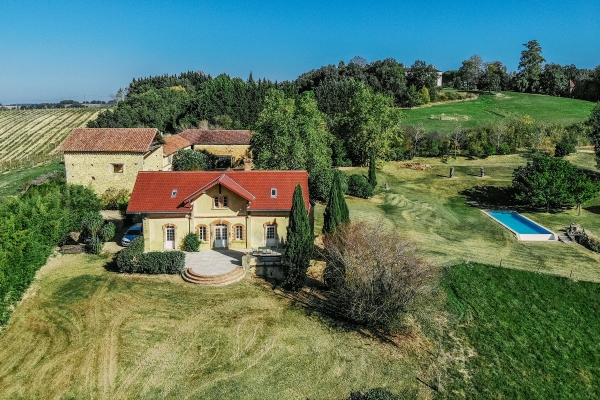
[130, 140]
[153, 190]
[225, 181]
[174, 143]
[203, 136]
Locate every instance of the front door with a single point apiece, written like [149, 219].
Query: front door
[221, 236]
[170, 238]
[272, 236]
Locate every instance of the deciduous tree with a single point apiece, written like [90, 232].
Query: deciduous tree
[291, 134]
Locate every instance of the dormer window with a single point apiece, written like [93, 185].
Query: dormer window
[174, 193]
[273, 192]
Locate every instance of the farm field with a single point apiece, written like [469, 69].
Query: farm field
[83, 331]
[28, 132]
[534, 336]
[492, 108]
[432, 209]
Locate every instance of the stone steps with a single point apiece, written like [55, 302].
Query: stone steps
[213, 280]
[564, 239]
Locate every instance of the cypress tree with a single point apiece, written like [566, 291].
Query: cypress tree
[372, 176]
[336, 211]
[299, 244]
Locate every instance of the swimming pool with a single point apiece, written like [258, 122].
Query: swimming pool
[522, 227]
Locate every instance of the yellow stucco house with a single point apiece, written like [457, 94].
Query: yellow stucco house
[230, 146]
[108, 158]
[227, 209]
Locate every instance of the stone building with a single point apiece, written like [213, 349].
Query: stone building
[226, 209]
[230, 146]
[108, 158]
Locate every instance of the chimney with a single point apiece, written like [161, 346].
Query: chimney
[247, 164]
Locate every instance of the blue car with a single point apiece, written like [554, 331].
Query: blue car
[133, 232]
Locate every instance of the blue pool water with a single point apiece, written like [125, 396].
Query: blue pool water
[518, 223]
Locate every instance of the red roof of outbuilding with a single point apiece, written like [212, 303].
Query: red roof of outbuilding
[204, 136]
[130, 140]
[174, 143]
[153, 190]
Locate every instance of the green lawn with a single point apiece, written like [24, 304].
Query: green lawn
[491, 108]
[12, 181]
[430, 208]
[83, 331]
[533, 336]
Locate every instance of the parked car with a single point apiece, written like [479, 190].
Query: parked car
[133, 232]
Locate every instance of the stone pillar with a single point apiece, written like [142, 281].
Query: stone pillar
[452, 172]
[482, 172]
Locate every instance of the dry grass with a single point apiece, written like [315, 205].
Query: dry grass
[428, 207]
[85, 332]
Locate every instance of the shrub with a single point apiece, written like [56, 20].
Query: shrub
[374, 394]
[91, 223]
[320, 180]
[113, 199]
[162, 262]
[132, 259]
[358, 186]
[489, 150]
[504, 149]
[95, 245]
[191, 242]
[563, 148]
[193, 160]
[374, 273]
[107, 232]
[128, 258]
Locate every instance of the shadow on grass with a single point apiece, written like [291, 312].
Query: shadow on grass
[315, 298]
[491, 196]
[111, 265]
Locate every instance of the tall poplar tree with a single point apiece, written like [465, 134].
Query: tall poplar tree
[336, 211]
[299, 244]
[372, 174]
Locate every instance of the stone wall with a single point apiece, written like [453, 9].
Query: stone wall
[97, 169]
[237, 151]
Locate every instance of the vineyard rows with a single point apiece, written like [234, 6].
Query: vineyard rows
[28, 133]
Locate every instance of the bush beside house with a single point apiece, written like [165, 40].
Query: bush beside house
[133, 260]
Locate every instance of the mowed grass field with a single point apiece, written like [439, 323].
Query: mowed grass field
[534, 336]
[432, 209]
[28, 132]
[493, 108]
[83, 331]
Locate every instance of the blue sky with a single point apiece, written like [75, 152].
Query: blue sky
[54, 50]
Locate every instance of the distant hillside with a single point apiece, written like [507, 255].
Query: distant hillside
[487, 109]
[28, 132]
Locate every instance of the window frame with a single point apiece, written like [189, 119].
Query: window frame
[114, 167]
[240, 228]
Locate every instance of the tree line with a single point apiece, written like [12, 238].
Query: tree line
[534, 75]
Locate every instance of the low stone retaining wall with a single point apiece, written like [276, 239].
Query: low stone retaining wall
[264, 266]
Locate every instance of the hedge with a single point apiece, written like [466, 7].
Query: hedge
[30, 227]
[133, 260]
